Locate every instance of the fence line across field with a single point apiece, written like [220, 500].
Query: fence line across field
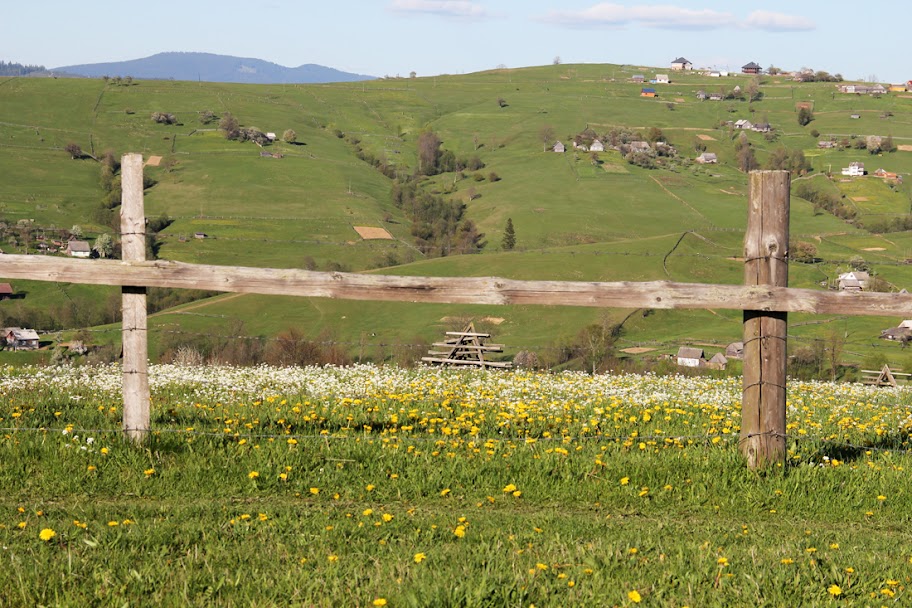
[765, 299]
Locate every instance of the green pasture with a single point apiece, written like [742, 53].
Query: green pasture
[379, 487]
[575, 219]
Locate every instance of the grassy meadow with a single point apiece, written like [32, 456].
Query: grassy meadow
[373, 486]
[575, 219]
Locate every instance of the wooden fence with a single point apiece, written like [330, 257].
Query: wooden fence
[765, 299]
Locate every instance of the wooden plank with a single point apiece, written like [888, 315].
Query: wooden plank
[492, 347]
[763, 405]
[467, 334]
[136, 394]
[476, 362]
[476, 290]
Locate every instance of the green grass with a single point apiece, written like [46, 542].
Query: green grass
[574, 220]
[340, 487]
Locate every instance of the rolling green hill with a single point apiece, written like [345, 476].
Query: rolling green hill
[576, 217]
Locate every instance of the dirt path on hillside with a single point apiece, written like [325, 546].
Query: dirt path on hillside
[679, 199]
[198, 305]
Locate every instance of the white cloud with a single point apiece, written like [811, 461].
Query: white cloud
[778, 22]
[445, 8]
[673, 17]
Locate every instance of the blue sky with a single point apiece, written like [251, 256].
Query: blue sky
[389, 37]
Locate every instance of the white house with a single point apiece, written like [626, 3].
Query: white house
[743, 124]
[681, 64]
[690, 357]
[559, 148]
[597, 146]
[78, 249]
[20, 339]
[856, 280]
[271, 136]
[662, 79]
[855, 169]
[707, 158]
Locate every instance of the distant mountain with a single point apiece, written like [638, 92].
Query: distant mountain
[212, 68]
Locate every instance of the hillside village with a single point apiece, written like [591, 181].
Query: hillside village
[679, 139]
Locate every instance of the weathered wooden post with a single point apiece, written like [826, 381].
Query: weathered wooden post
[765, 358]
[136, 419]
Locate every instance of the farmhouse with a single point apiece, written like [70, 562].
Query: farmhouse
[716, 96]
[762, 127]
[715, 74]
[826, 144]
[559, 148]
[597, 146]
[6, 291]
[20, 339]
[662, 79]
[735, 350]
[898, 88]
[701, 95]
[900, 333]
[690, 357]
[681, 64]
[78, 249]
[743, 124]
[706, 158]
[718, 361]
[647, 92]
[853, 281]
[639, 78]
[751, 68]
[855, 169]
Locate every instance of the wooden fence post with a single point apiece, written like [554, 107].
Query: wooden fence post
[765, 357]
[136, 418]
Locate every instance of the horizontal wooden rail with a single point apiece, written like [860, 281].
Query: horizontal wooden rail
[450, 290]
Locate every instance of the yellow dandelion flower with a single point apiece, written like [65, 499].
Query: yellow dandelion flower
[881, 498]
[105, 451]
[367, 512]
[370, 487]
[46, 534]
[834, 590]
[113, 523]
[379, 602]
[786, 561]
[262, 517]
[315, 491]
[632, 550]
[850, 570]
[283, 476]
[292, 441]
[444, 491]
[517, 493]
[634, 596]
[509, 488]
[460, 531]
[90, 468]
[21, 525]
[387, 517]
[149, 472]
[253, 474]
[887, 592]
[541, 566]
[625, 481]
[419, 557]
[570, 583]
[722, 561]
[834, 546]
[333, 558]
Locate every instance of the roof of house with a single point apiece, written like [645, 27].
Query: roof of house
[689, 352]
[6, 289]
[680, 60]
[79, 246]
[709, 156]
[719, 358]
[648, 90]
[751, 66]
[23, 334]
